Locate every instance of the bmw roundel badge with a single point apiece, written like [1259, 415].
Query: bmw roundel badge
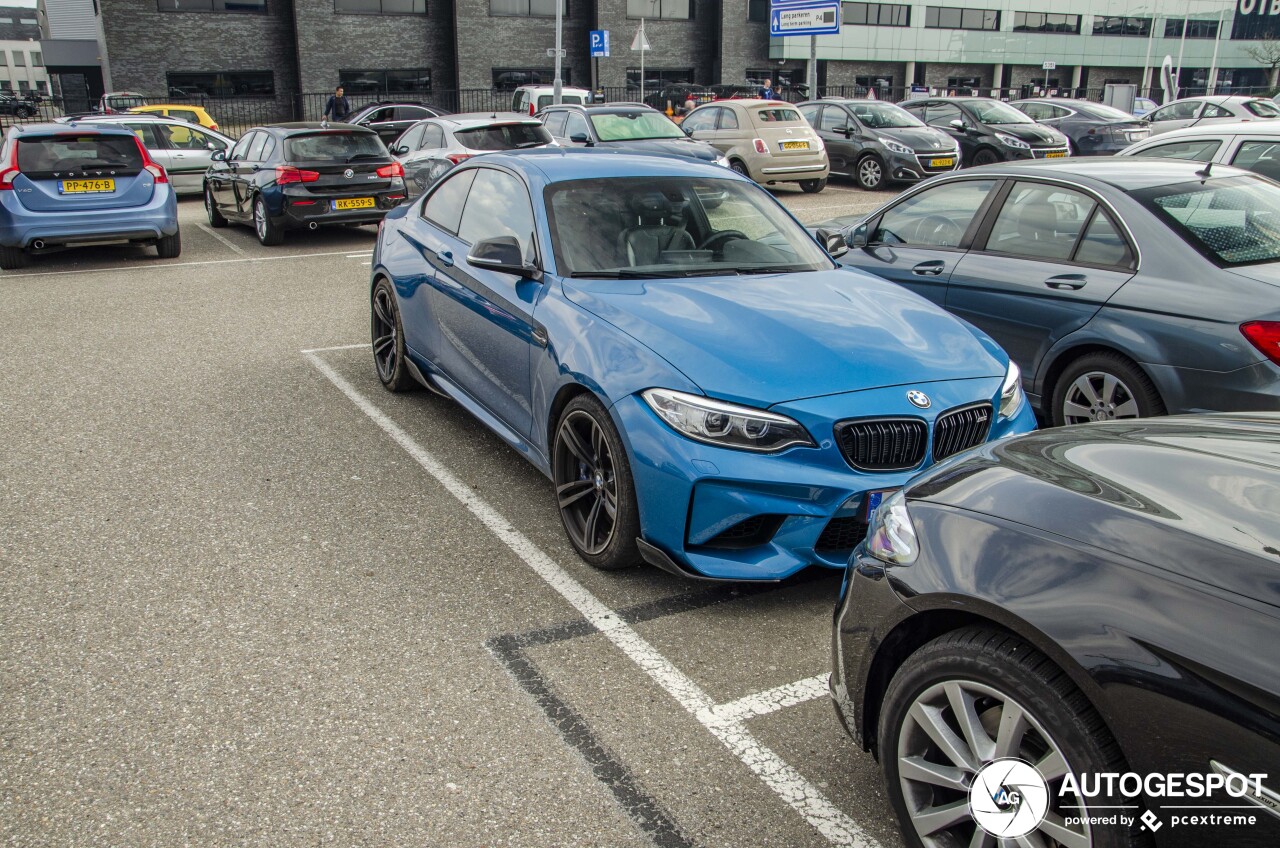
[918, 398]
[348, 173]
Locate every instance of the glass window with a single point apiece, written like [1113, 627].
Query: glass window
[224, 83]
[187, 115]
[527, 8]
[995, 112]
[37, 59]
[1183, 110]
[1197, 151]
[189, 138]
[432, 137]
[1231, 221]
[334, 147]
[505, 136]
[576, 125]
[633, 126]
[255, 150]
[936, 217]
[147, 132]
[941, 115]
[1045, 22]
[678, 10]
[444, 207]
[242, 146]
[1040, 222]
[380, 7]
[1261, 157]
[775, 115]
[728, 120]
[19, 59]
[250, 6]
[555, 123]
[1195, 29]
[60, 153]
[875, 14]
[810, 113]
[498, 205]
[1138, 27]
[758, 11]
[1262, 108]
[833, 119]
[377, 81]
[509, 79]
[947, 17]
[1102, 243]
[883, 115]
[412, 137]
[1212, 111]
[270, 149]
[701, 119]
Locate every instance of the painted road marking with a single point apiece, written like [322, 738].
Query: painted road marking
[336, 347]
[792, 787]
[220, 237]
[133, 268]
[770, 700]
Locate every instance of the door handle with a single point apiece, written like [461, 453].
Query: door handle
[1071, 282]
[446, 258]
[932, 268]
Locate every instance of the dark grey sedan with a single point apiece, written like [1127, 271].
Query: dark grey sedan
[1121, 287]
[877, 143]
[1093, 128]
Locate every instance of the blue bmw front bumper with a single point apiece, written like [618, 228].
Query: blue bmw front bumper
[730, 514]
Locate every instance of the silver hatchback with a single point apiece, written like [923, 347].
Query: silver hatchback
[429, 149]
[183, 149]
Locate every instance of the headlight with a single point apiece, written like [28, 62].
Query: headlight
[725, 424]
[897, 147]
[1010, 141]
[891, 538]
[723, 161]
[1011, 392]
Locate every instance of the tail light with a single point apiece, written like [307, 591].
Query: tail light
[1265, 336]
[286, 174]
[392, 171]
[761, 147]
[213, 126]
[149, 165]
[457, 158]
[531, 110]
[10, 171]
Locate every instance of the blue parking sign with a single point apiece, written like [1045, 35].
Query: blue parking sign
[599, 43]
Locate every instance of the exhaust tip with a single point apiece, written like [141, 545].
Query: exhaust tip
[38, 244]
[313, 226]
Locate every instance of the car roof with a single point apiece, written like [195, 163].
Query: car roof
[560, 164]
[543, 86]
[620, 106]
[482, 119]
[1124, 173]
[1216, 130]
[1221, 98]
[291, 127]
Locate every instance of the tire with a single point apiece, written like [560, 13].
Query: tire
[386, 333]
[13, 258]
[869, 172]
[1104, 387]
[739, 168]
[216, 219]
[989, 670]
[169, 247]
[985, 156]
[590, 470]
[24, 112]
[269, 232]
[813, 186]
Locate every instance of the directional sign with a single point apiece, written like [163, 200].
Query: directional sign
[805, 19]
[599, 43]
[551, 52]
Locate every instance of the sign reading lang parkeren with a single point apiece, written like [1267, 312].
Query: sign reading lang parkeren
[818, 18]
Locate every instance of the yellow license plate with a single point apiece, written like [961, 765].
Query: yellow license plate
[87, 186]
[1059, 155]
[941, 163]
[795, 145]
[355, 203]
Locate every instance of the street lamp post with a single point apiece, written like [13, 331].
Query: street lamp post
[558, 85]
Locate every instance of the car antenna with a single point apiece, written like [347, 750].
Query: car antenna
[1204, 174]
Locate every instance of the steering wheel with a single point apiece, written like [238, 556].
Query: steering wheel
[717, 241]
[938, 229]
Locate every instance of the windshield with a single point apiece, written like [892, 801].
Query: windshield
[546, 100]
[995, 112]
[503, 137]
[670, 227]
[1263, 108]
[52, 156]
[879, 116]
[632, 126]
[1233, 221]
[335, 147]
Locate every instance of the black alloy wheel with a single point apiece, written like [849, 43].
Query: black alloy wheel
[985, 156]
[387, 334]
[216, 219]
[593, 486]
[813, 186]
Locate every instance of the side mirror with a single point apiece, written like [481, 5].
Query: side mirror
[581, 138]
[859, 236]
[502, 254]
[848, 131]
[833, 242]
[211, 146]
[218, 155]
[399, 150]
[958, 124]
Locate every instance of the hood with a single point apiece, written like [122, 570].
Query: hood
[1033, 134]
[764, 340]
[685, 147]
[920, 139]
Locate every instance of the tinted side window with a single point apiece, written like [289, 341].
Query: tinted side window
[1196, 151]
[1036, 111]
[576, 125]
[411, 113]
[498, 205]
[935, 217]
[242, 146]
[1183, 111]
[728, 120]
[942, 114]
[412, 137]
[810, 113]
[432, 137]
[147, 132]
[1102, 244]
[1212, 111]
[1261, 157]
[444, 206]
[269, 150]
[833, 118]
[1040, 222]
[255, 150]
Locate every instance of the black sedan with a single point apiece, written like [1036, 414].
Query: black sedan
[389, 120]
[1094, 129]
[1070, 604]
[988, 130]
[290, 176]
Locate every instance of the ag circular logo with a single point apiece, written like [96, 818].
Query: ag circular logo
[1009, 798]
[918, 398]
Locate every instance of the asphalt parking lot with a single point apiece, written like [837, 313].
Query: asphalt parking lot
[252, 598]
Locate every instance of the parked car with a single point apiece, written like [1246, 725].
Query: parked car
[988, 130]
[621, 126]
[1198, 111]
[184, 151]
[431, 148]
[878, 143]
[1254, 146]
[390, 120]
[658, 363]
[19, 107]
[528, 99]
[735, 91]
[1046, 599]
[675, 95]
[288, 176]
[1121, 287]
[1143, 106]
[63, 185]
[179, 112]
[765, 140]
[120, 101]
[1093, 129]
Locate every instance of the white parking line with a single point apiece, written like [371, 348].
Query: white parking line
[134, 267]
[220, 237]
[336, 347]
[777, 774]
[770, 700]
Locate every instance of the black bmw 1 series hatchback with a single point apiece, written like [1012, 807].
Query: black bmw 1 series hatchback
[1072, 638]
[302, 175]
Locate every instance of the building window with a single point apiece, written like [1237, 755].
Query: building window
[19, 59]
[1043, 22]
[758, 11]
[945, 17]
[878, 83]
[1140, 27]
[782, 77]
[656, 77]
[508, 79]
[875, 14]
[380, 7]
[6, 20]
[385, 81]
[1195, 29]
[42, 86]
[37, 59]
[964, 82]
[527, 8]
[258, 7]
[225, 83]
[672, 10]
[28, 22]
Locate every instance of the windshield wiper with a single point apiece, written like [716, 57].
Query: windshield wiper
[774, 269]
[622, 274]
[354, 156]
[522, 145]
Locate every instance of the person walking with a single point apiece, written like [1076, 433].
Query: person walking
[767, 92]
[337, 106]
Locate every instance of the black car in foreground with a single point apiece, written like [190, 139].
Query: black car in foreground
[289, 176]
[1087, 601]
[988, 130]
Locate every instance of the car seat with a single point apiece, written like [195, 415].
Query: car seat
[659, 227]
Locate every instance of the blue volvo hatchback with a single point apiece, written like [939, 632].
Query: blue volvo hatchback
[76, 184]
[706, 389]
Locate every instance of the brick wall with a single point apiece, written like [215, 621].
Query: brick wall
[676, 44]
[846, 73]
[936, 74]
[1033, 75]
[488, 41]
[743, 43]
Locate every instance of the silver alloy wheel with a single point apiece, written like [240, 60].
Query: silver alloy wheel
[260, 218]
[870, 172]
[950, 732]
[1098, 396]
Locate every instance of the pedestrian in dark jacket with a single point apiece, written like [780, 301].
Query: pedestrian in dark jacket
[767, 92]
[337, 106]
